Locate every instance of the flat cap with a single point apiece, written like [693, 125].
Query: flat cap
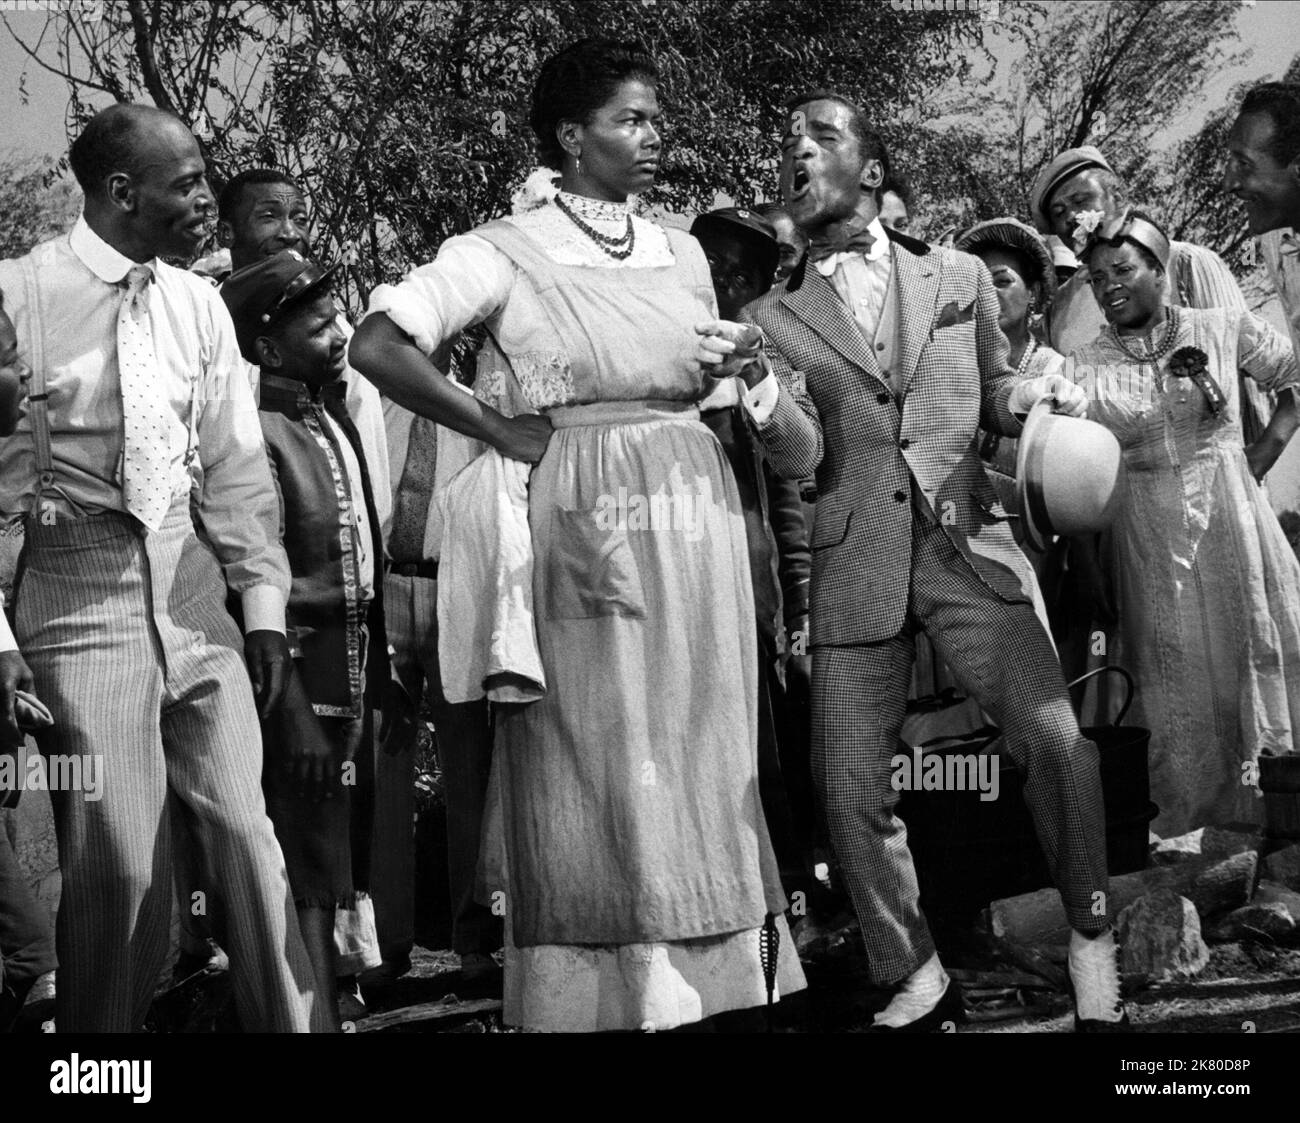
[1068, 163]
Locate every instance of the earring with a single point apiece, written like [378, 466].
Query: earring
[577, 164]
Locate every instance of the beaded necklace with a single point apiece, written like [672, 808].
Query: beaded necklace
[1158, 353]
[618, 248]
[1022, 368]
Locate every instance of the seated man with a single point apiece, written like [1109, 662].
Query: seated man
[286, 323]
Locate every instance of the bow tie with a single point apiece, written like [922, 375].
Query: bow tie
[846, 240]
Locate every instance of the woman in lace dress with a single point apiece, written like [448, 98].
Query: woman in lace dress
[1206, 591]
[638, 873]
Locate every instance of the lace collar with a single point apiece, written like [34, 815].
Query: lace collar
[598, 209]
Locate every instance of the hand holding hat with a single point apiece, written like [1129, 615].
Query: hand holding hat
[1067, 397]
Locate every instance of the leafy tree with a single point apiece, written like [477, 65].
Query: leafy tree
[1114, 74]
[408, 122]
[35, 204]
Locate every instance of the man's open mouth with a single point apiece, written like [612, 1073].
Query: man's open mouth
[799, 182]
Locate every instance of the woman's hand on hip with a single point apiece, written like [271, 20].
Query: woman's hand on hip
[522, 438]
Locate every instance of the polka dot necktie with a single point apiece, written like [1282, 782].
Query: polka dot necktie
[146, 452]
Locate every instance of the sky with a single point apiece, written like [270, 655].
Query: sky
[1271, 30]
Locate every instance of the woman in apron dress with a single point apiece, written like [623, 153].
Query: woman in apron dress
[633, 856]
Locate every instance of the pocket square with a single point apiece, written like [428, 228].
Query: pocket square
[951, 314]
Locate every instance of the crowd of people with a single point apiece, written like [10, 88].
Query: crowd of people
[660, 571]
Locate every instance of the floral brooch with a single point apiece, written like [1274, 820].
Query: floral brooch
[1193, 363]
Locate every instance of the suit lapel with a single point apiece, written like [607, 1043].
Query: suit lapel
[917, 279]
[819, 306]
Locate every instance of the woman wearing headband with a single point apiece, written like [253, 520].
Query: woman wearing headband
[1206, 591]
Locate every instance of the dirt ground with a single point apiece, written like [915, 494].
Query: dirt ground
[1245, 988]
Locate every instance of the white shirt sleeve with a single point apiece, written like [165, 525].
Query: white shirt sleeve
[7, 641]
[761, 400]
[468, 281]
[239, 506]
[263, 609]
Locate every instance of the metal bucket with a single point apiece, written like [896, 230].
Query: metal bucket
[968, 852]
[1279, 780]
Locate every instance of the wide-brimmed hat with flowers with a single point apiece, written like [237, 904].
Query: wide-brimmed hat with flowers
[1011, 233]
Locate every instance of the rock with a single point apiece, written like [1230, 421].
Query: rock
[1170, 850]
[1271, 893]
[1213, 885]
[1271, 921]
[1207, 842]
[1284, 866]
[1160, 938]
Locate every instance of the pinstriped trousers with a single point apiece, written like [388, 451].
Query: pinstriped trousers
[1001, 656]
[128, 638]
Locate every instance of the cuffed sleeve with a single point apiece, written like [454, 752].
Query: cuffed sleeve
[761, 400]
[792, 430]
[263, 607]
[468, 281]
[239, 507]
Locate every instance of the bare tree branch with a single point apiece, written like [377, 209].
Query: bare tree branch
[144, 51]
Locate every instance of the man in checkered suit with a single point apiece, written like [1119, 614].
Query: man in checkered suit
[882, 358]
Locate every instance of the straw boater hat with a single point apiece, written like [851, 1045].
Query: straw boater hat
[1069, 476]
[1011, 233]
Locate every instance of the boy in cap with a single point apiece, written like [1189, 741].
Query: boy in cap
[287, 324]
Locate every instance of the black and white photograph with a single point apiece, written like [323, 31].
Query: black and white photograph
[746, 519]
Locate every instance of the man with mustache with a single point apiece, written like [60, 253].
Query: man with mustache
[883, 356]
[121, 614]
[1263, 171]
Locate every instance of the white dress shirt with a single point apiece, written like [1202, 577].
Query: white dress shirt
[80, 289]
[863, 283]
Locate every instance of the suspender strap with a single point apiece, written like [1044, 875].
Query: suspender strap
[37, 396]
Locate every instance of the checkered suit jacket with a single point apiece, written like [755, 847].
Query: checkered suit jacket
[837, 415]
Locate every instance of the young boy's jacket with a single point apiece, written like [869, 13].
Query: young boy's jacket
[324, 613]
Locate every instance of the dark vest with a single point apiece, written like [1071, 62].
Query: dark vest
[324, 611]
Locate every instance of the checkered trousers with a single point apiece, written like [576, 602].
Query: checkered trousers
[1001, 656]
